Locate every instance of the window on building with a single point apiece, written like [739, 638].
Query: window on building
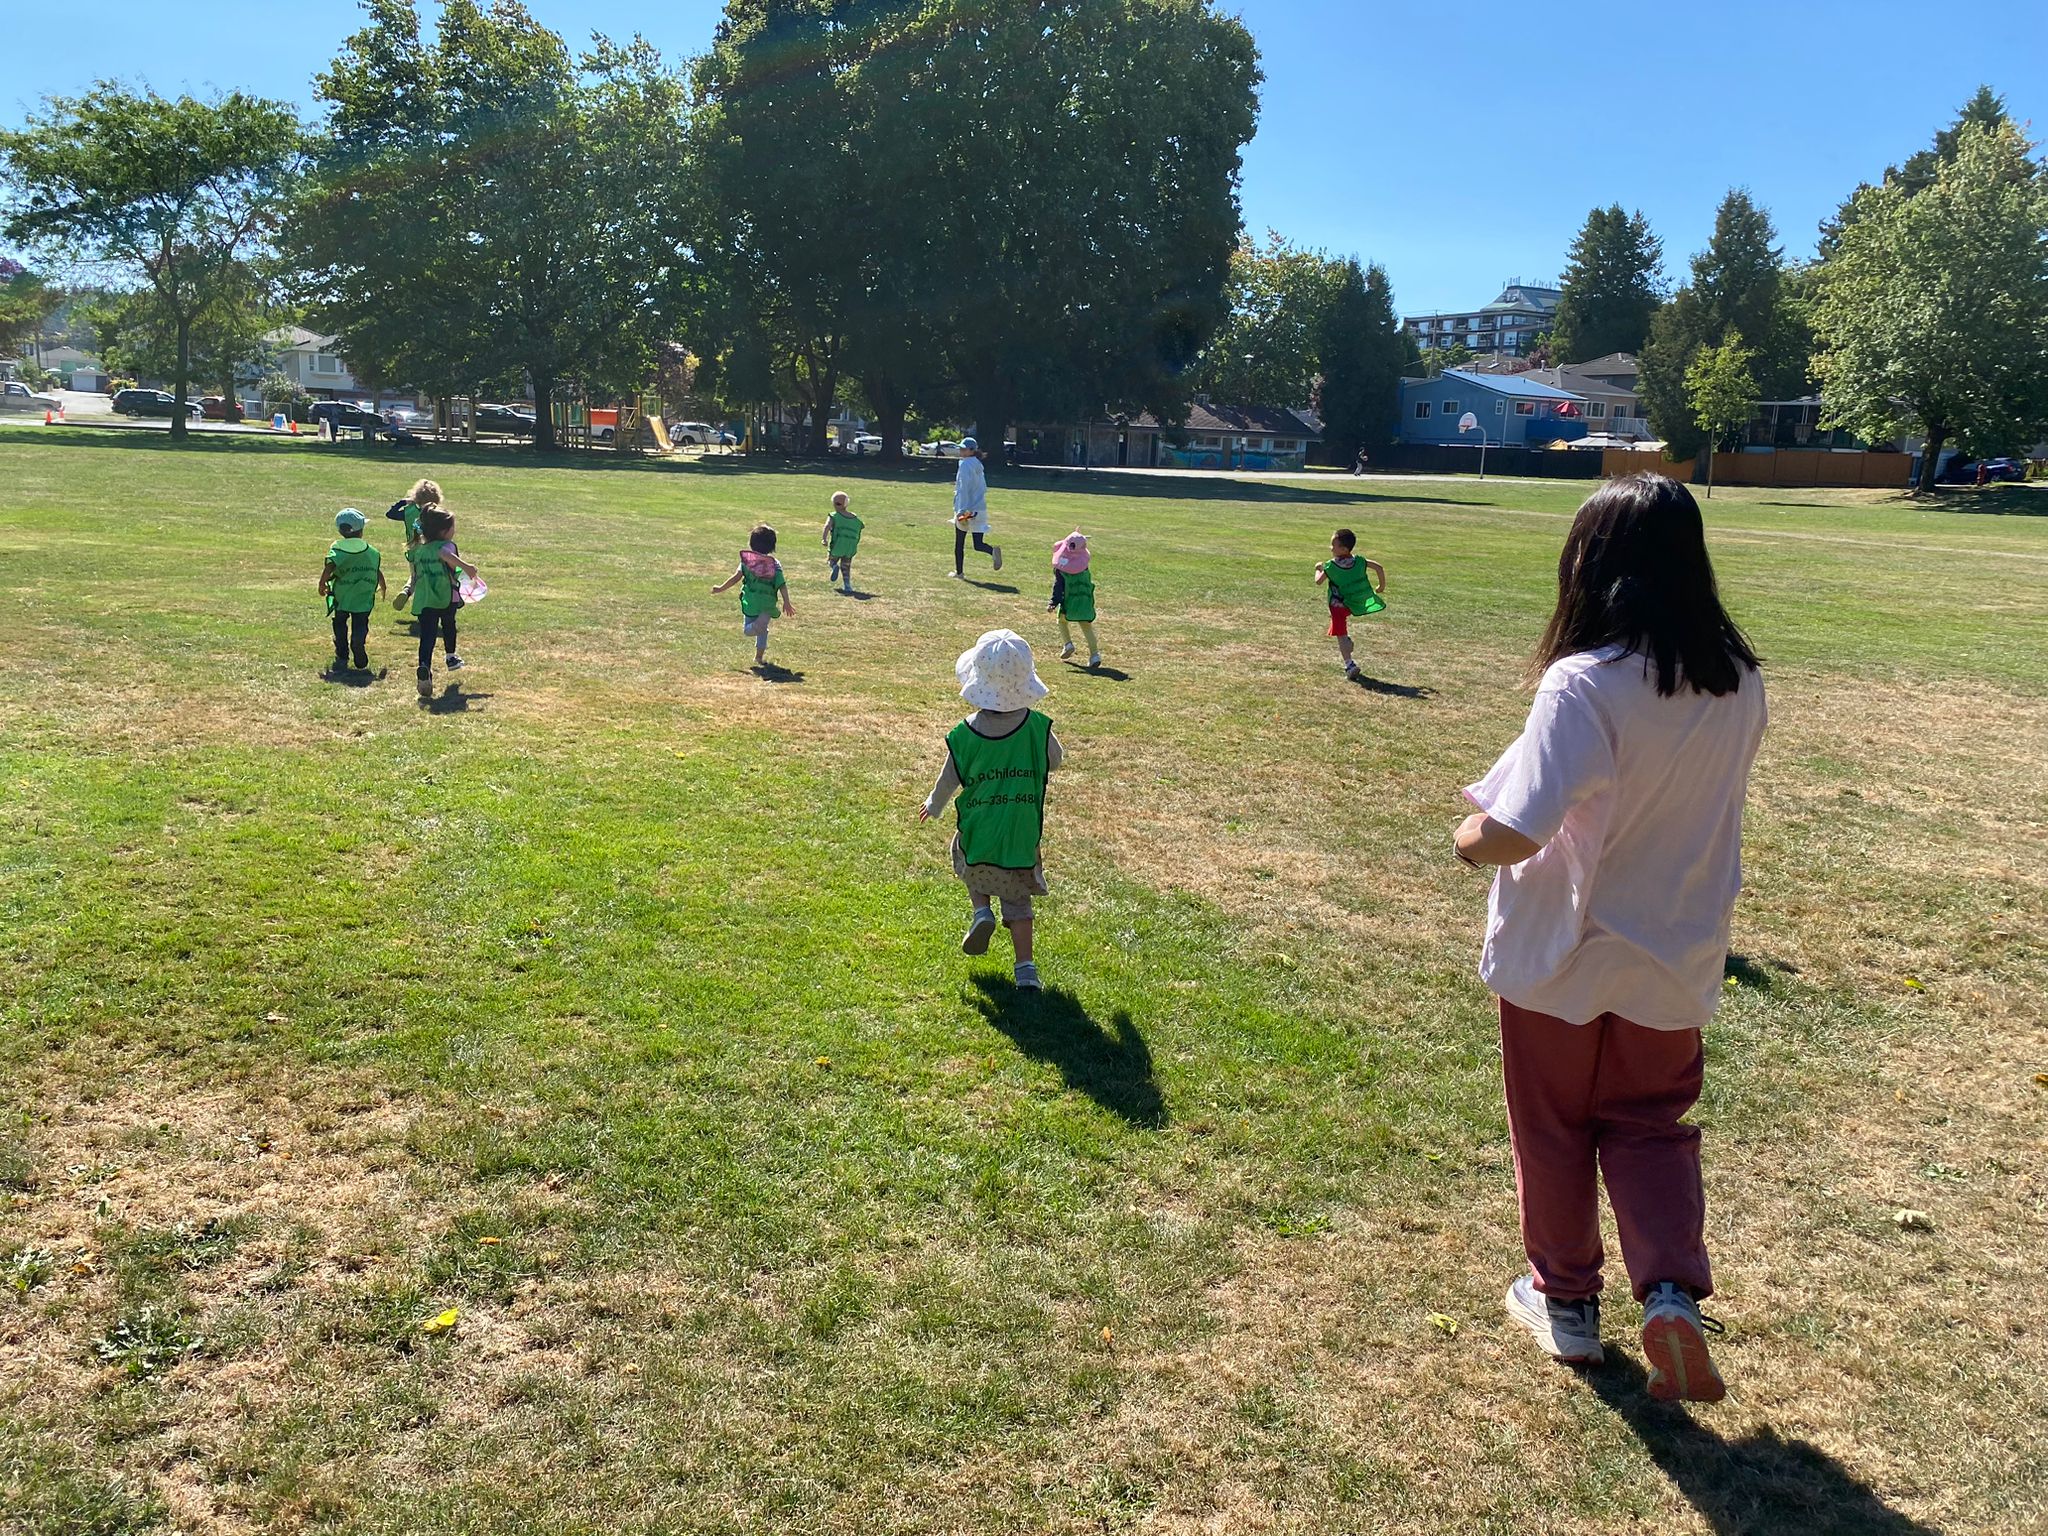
[1621, 410]
[1449, 407]
[1422, 410]
[1525, 408]
[1596, 408]
[326, 362]
[1499, 407]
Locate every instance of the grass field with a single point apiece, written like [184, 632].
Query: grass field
[613, 1001]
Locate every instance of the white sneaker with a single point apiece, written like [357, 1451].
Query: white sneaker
[980, 929]
[996, 554]
[1066, 650]
[956, 575]
[1026, 977]
[1564, 1330]
[1675, 1344]
[1095, 658]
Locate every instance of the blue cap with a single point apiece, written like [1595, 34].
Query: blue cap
[969, 443]
[347, 518]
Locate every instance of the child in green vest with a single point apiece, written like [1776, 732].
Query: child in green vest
[352, 580]
[1073, 594]
[761, 582]
[434, 564]
[842, 542]
[1357, 585]
[997, 760]
[424, 494]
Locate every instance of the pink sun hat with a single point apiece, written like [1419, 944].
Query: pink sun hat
[1071, 553]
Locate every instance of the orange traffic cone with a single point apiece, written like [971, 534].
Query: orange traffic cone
[46, 416]
[295, 429]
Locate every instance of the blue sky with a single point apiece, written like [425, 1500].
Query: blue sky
[1459, 144]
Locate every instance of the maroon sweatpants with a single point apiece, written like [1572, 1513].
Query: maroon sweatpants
[1612, 1093]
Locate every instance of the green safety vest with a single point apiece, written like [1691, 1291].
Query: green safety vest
[433, 584]
[757, 596]
[354, 587]
[412, 521]
[1002, 791]
[845, 536]
[1077, 596]
[1353, 587]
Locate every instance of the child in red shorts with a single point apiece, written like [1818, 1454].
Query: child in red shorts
[1357, 585]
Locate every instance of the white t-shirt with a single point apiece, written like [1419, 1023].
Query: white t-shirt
[1637, 803]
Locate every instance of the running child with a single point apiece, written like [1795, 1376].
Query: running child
[352, 580]
[997, 760]
[1073, 595]
[761, 582]
[435, 563]
[1357, 585]
[423, 495]
[1615, 821]
[842, 542]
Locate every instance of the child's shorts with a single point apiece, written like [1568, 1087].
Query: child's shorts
[1340, 620]
[757, 625]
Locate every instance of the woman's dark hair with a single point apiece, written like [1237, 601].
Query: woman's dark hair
[762, 540]
[436, 523]
[1635, 573]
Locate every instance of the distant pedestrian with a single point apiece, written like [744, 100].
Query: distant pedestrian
[970, 509]
[1073, 594]
[1356, 586]
[1359, 468]
[352, 580]
[435, 562]
[1616, 823]
[761, 583]
[997, 761]
[842, 542]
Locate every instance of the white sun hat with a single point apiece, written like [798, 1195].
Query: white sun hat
[998, 672]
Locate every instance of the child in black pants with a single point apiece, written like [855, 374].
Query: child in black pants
[434, 564]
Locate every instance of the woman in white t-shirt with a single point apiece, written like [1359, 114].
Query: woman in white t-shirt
[1616, 820]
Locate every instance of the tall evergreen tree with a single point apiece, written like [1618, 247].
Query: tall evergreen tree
[1362, 353]
[1610, 286]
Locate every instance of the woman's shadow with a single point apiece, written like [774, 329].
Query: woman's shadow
[1760, 1485]
[1112, 1066]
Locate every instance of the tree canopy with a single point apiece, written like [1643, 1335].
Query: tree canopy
[1610, 286]
[170, 197]
[1362, 351]
[1269, 349]
[1721, 393]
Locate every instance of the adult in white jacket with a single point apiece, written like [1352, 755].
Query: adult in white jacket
[970, 510]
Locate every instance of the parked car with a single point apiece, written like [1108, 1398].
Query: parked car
[401, 416]
[17, 396]
[151, 402]
[693, 434]
[1961, 471]
[945, 448]
[865, 444]
[346, 415]
[506, 419]
[219, 408]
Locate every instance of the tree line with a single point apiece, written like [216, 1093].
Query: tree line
[1925, 308]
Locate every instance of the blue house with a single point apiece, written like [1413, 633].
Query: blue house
[1511, 408]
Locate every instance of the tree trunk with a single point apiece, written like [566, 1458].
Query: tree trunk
[990, 402]
[543, 413]
[890, 408]
[182, 384]
[1930, 458]
[821, 412]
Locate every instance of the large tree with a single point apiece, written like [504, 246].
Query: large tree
[26, 302]
[228, 340]
[483, 206]
[1610, 286]
[171, 197]
[1740, 283]
[1932, 308]
[1362, 353]
[1269, 349]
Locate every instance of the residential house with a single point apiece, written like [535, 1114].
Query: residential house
[1514, 409]
[313, 362]
[1212, 437]
[1608, 386]
[1510, 324]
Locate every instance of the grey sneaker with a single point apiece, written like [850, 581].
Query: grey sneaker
[426, 677]
[1675, 1344]
[1095, 658]
[980, 929]
[1066, 650]
[996, 554]
[1026, 977]
[1565, 1330]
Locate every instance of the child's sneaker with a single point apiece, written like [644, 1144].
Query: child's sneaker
[1066, 650]
[980, 929]
[1026, 977]
[956, 575]
[1351, 669]
[404, 597]
[1564, 1330]
[996, 555]
[426, 678]
[1675, 1344]
[1095, 658]
[455, 663]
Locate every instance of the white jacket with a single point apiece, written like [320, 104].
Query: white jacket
[970, 493]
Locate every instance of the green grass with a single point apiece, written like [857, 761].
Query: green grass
[613, 1000]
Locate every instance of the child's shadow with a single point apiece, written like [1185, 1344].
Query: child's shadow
[353, 677]
[1392, 690]
[1113, 674]
[992, 586]
[452, 700]
[769, 672]
[1113, 1065]
[858, 597]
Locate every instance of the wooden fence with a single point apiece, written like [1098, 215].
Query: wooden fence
[1782, 466]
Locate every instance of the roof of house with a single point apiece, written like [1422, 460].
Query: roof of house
[1578, 377]
[299, 336]
[1613, 362]
[1526, 296]
[1253, 420]
[1516, 385]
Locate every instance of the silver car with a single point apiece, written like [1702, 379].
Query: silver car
[17, 396]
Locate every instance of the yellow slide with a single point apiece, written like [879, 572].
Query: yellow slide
[659, 428]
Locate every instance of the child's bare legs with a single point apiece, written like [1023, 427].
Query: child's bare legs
[1020, 935]
[1344, 650]
[1017, 918]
